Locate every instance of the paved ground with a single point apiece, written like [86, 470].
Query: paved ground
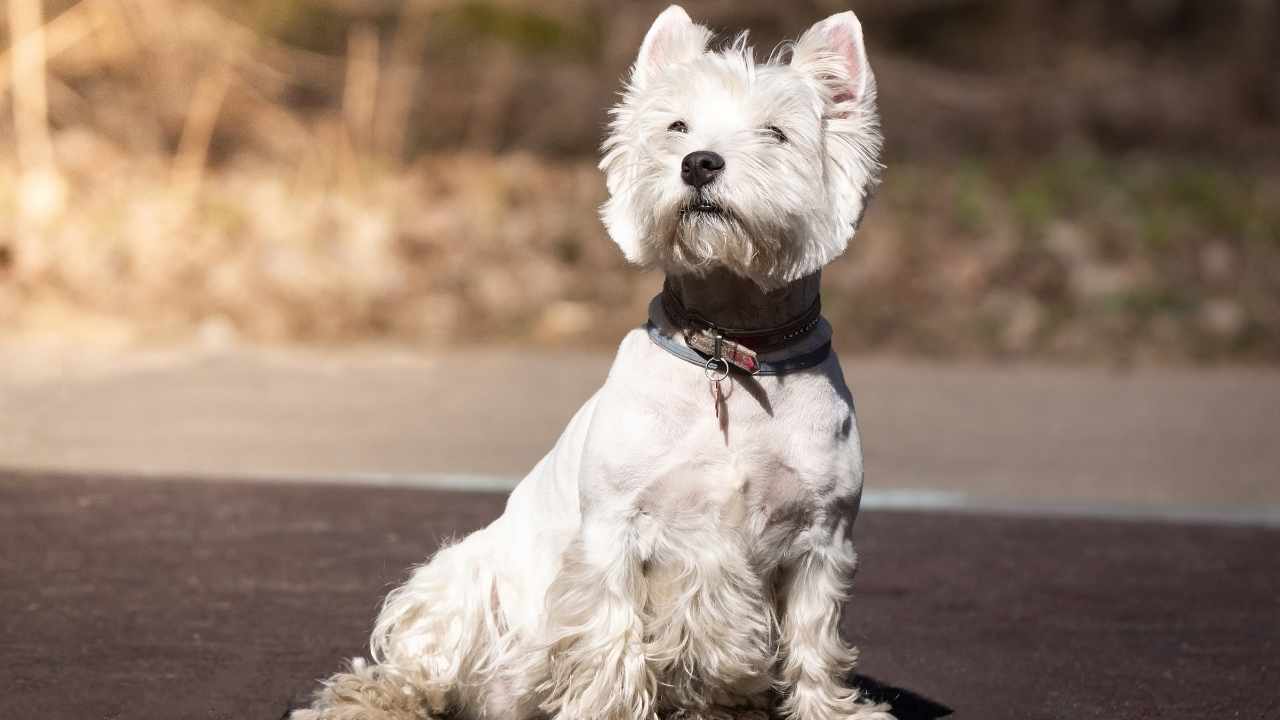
[174, 599]
[1162, 440]
[226, 596]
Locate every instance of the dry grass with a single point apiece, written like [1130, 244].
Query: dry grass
[166, 186]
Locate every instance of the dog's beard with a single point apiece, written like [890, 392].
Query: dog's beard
[705, 232]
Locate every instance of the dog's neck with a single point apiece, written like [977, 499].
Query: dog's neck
[732, 301]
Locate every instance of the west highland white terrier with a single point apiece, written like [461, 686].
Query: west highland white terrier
[684, 549]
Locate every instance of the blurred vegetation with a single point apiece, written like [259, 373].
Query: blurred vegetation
[1067, 181]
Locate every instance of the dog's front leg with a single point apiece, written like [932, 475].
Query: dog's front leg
[816, 661]
[596, 667]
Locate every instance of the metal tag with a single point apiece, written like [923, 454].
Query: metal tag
[707, 343]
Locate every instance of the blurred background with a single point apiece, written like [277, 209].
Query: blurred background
[1071, 272]
[1079, 182]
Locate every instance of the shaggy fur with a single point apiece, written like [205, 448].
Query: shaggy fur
[665, 559]
[782, 220]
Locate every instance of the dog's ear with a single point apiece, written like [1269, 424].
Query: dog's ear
[673, 38]
[833, 54]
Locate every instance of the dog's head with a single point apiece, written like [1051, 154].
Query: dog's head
[713, 159]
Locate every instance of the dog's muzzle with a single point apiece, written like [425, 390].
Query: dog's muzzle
[701, 207]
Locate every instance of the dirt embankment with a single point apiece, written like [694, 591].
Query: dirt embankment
[1065, 182]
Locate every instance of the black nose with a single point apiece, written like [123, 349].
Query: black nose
[701, 167]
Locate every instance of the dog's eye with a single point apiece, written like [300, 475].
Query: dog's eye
[678, 126]
[777, 133]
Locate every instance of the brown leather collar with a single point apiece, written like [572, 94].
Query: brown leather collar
[759, 340]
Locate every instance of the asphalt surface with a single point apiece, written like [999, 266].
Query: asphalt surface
[1179, 441]
[172, 598]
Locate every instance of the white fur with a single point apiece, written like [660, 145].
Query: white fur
[659, 560]
[792, 206]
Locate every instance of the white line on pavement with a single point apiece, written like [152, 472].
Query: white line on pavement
[901, 499]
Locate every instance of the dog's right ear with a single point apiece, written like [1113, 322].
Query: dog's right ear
[833, 53]
[673, 38]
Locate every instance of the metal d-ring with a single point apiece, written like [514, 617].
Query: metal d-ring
[716, 369]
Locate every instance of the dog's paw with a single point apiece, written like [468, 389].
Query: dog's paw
[720, 713]
[878, 711]
[370, 692]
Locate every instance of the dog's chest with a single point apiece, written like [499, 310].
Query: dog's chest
[778, 450]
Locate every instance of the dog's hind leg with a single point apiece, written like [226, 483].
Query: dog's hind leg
[443, 630]
[816, 661]
[593, 641]
[429, 639]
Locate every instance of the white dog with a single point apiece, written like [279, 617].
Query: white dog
[684, 547]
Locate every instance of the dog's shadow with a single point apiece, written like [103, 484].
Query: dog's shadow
[906, 704]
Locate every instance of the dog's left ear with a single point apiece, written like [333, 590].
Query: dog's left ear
[833, 54]
[673, 38]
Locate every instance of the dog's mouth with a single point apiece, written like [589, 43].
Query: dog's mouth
[701, 207]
